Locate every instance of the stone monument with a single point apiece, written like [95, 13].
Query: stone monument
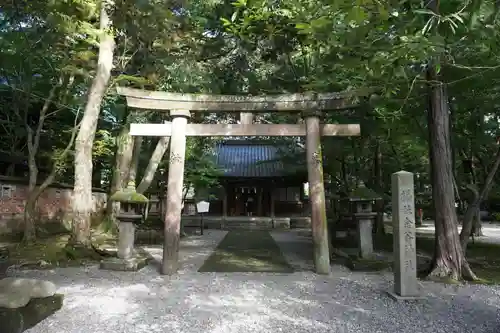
[403, 220]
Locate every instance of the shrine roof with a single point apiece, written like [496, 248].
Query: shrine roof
[250, 159]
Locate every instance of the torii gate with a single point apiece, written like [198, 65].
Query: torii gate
[180, 107]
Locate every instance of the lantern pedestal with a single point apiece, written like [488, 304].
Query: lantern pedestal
[363, 198]
[365, 234]
[131, 213]
[128, 259]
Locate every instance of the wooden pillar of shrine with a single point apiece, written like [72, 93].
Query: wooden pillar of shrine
[273, 199]
[224, 205]
[259, 200]
[317, 193]
[175, 182]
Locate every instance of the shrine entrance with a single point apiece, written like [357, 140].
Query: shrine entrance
[246, 201]
[180, 107]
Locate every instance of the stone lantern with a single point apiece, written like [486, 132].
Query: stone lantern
[132, 210]
[363, 199]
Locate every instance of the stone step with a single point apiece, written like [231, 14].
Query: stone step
[246, 228]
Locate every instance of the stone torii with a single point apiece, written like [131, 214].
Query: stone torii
[180, 107]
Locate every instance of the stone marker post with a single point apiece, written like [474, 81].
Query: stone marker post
[403, 221]
[317, 193]
[175, 183]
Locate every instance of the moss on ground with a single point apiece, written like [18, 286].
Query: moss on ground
[483, 258]
[247, 251]
[53, 251]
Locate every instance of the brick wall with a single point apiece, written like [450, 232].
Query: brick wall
[53, 207]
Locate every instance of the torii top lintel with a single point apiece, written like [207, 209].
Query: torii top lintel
[159, 100]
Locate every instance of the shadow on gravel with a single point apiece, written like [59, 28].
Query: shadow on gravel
[257, 303]
[192, 302]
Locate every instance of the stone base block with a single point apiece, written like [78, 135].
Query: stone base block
[17, 292]
[300, 222]
[281, 223]
[127, 265]
[341, 234]
[400, 298]
[368, 265]
[20, 319]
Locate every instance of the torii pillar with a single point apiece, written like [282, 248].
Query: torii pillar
[175, 183]
[317, 192]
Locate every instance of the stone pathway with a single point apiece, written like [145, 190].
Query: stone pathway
[103, 301]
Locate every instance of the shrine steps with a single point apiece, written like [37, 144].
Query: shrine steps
[248, 222]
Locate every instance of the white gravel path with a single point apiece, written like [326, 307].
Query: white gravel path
[491, 232]
[107, 302]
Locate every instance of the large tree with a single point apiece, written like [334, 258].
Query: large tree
[82, 197]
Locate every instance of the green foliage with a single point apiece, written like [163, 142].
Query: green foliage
[262, 47]
[201, 172]
[103, 144]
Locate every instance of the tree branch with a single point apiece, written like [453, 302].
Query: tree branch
[471, 210]
[154, 162]
[55, 165]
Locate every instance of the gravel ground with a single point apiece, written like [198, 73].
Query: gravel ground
[104, 302]
[491, 232]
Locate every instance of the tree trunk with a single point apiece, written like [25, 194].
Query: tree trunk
[33, 143]
[29, 235]
[125, 151]
[457, 191]
[345, 176]
[477, 227]
[154, 162]
[11, 170]
[82, 197]
[136, 157]
[123, 158]
[449, 259]
[34, 192]
[29, 208]
[379, 204]
[474, 208]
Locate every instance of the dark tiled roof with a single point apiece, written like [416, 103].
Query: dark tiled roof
[248, 159]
